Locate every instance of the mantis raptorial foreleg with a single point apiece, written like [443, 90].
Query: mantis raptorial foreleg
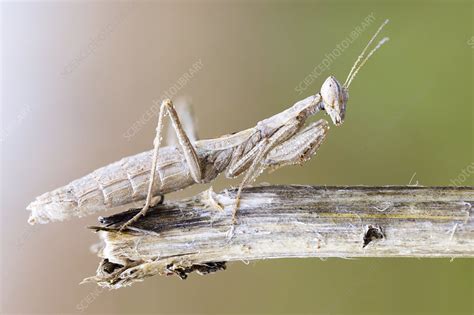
[298, 148]
[188, 151]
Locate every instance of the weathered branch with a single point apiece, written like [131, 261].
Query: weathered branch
[287, 221]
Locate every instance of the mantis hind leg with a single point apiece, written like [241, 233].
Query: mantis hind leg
[188, 151]
[185, 112]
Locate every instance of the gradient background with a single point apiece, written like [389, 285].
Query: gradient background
[410, 110]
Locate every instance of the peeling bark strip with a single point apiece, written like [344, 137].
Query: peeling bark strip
[287, 221]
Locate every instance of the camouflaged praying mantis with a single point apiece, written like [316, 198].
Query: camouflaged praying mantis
[277, 141]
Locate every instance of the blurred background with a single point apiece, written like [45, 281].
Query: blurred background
[79, 77]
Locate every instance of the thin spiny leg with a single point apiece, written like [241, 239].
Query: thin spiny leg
[188, 151]
[156, 143]
[256, 167]
[249, 175]
[186, 116]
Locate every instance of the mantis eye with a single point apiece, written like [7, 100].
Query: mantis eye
[334, 99]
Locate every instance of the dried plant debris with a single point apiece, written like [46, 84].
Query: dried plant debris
[201, 269]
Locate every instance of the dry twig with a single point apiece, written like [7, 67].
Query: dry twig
[287, 221]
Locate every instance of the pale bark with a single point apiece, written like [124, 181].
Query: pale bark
[287, 221]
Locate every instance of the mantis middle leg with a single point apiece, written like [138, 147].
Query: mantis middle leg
[296, 149]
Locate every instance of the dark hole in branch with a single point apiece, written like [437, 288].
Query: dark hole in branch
[373, 233]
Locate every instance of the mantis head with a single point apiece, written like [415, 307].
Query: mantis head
[334, 95]
[334, 99]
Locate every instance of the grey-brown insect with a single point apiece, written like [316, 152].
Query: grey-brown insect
[280, 140]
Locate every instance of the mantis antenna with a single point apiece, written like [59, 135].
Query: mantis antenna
[359, 62]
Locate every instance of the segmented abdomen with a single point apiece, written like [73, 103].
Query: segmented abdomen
[114, 185]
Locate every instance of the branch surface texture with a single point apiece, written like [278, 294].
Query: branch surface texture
[196, 234]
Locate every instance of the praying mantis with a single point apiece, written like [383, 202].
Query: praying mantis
[280, 140]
